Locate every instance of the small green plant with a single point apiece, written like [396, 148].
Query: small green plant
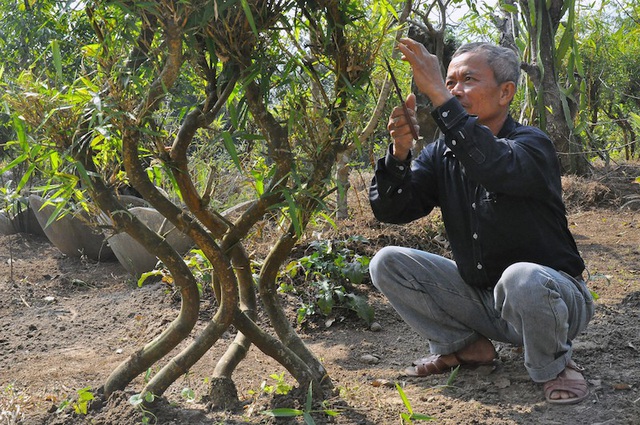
[188, 394]
[329, 273]
[138, 400]
[81, 406]
[197, 263]
[280, 387]
[285, 412]
[410, 416]
[452, 376]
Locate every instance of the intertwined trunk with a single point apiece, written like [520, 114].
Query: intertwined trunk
[232, 35]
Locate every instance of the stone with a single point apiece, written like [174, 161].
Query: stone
[133, 256]
[24, 221]
[72, 234]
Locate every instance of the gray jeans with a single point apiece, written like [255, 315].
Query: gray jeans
[532, 306]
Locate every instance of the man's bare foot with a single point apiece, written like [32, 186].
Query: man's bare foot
[568, 388]
[478, 353]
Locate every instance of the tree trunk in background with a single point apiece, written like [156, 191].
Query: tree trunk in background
[556, 110]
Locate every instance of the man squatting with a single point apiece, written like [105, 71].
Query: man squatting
[516, 273]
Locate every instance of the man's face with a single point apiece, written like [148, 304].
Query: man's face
[472, 81]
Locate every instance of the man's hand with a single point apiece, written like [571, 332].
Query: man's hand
[426, 71]
[400, 128]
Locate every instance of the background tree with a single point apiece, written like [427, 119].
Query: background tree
[610, 48]
[547, 51]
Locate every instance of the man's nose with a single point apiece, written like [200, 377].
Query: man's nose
[455, 89]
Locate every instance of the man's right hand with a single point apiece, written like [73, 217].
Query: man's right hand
[400, 130]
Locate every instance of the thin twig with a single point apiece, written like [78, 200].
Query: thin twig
[25, 301]
[11, 259]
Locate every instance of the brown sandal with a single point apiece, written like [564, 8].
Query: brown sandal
[577, 387]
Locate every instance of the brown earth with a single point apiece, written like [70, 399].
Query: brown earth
[66, 323]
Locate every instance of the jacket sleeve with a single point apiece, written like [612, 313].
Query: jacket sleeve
[523, 160]
[402, 191]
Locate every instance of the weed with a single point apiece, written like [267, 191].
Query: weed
[328, 274]
[187, 393]
[410, 416]
[281, 387]
[138, 400]
[81, 406]
[285, 412]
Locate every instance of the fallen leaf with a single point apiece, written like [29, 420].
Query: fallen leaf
[383, 383]
[621, 386]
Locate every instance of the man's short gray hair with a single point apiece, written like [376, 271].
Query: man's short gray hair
[504, 62]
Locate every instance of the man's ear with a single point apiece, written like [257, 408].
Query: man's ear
[507, 91]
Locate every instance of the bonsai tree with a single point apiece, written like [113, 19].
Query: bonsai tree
[169, 93]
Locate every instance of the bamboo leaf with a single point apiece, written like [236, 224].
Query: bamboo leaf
[294, 215]
[404, 398]
[231, 149]
[57, 57]
[283, 412]
[247, 12]
[25, 177]
[19, 160]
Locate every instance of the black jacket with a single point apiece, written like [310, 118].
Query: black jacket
[500, 197]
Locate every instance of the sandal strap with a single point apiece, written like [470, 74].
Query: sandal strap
[435, 366]
[575, 386]
[574, 366]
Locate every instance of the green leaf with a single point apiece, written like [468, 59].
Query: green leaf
[453, 375]
[404, 398]
[309, 400]
[136, 399]
[25, 177]
[231, 149]
[361, 306]
[247, 12]
[308, 419]
[57, 57]
[188, 393]
[144, 276]
[509, 8]
[294, 213]
[21, 132]
[85, 394]
[422, 417]
[283, 412]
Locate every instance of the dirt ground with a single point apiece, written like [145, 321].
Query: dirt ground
[65, 324]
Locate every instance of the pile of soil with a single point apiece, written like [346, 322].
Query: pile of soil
[66, 323]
